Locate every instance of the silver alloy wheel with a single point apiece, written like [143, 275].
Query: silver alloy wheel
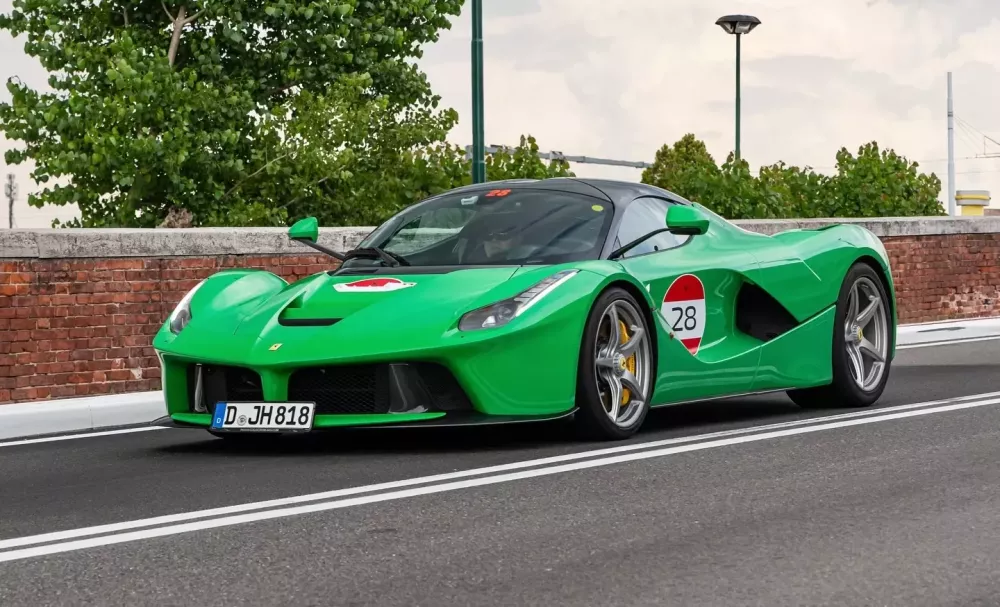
[866, 328]
[622, 365]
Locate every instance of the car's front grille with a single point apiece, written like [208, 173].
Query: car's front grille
[223, 383]
[342, 389]
[378, 388]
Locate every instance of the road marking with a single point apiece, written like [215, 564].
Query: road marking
[62, 437]
[449, 476]
[948, 342]
[120, 538]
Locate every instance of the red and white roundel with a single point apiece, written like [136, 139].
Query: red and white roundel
[684, 308]
[373, 285]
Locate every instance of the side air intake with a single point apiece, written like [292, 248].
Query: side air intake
[760, 315]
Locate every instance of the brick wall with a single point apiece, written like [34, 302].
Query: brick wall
[77, 327]
[79, 308]
[945, 277]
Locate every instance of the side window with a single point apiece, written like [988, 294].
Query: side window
[641, 217]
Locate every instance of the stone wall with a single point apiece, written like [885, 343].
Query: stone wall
[78, 308]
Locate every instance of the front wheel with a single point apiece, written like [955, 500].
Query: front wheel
[615, 377]
[862, 341]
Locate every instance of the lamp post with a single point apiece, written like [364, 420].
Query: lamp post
[738, 25]
[478, 136]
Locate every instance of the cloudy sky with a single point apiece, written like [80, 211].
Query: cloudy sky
[619, 79]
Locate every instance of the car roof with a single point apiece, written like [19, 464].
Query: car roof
[618, 192]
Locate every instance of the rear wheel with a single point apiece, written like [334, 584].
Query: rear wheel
[862, 340]
[615, 375]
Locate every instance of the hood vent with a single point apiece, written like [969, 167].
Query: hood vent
[308, 322]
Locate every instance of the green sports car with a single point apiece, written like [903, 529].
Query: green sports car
[534, 300]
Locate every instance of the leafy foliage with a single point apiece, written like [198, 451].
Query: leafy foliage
[259, 112]
[181, 103]
[874, 183]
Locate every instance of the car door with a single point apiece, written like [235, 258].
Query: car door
[694, 280]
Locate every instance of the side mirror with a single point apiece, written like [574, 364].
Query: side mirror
[686, 220]
[305, 229]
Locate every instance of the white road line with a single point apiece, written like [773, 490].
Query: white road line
[120, 538]
[948, 342]
[449, 476]
[63, 437]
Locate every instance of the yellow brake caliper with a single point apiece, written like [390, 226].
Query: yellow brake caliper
[629, 362]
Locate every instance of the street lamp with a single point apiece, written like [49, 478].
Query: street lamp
[478, 136]
[738, 25]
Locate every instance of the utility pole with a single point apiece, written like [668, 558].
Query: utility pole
[478, 134]
[10, 191]
[951, 151]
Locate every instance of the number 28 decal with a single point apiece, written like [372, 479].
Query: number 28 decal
[687, 318]
[684, 308]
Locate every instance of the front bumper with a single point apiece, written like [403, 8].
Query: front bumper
[384, 420]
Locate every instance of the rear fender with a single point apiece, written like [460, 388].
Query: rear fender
[804, 269]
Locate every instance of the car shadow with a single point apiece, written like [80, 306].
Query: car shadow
[556, 437]
[909, 383]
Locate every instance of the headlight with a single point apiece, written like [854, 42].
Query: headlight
[181, 315]
[502, 312]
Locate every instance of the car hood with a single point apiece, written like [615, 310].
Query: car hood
[327, 298]
[363, 314]
[329, 317]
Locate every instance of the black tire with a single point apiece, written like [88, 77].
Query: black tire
[843, 391]
[591, 419]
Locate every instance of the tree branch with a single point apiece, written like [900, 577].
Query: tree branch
[167, 10]
[175, 38]
[125, 13]
[192, 18]
[254, 174]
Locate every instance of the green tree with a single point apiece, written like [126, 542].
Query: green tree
[349, 160]
[685, 168]
[789, 191]
[523, 162]
[880, 183]
[182, 103]
[875, 183]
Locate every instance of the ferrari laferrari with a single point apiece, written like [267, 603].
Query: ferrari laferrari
[588, 300]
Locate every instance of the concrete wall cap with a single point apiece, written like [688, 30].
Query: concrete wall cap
[196, 242]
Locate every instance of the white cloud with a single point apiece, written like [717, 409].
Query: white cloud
[816, 76]
[619, 79]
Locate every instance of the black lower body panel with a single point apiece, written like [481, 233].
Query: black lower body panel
[359, 389]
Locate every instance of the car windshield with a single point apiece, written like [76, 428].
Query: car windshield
[516, 226]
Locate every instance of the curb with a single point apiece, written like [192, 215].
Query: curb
[80, 414]
[947, 330]
[33, 419]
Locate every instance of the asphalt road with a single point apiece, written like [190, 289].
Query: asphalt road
[740, 502]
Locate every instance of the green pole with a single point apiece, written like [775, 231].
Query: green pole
[478, 136]
[738, 36]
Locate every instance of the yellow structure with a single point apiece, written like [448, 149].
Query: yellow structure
[972, 201]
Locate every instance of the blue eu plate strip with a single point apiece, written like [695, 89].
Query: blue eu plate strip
[219, 416]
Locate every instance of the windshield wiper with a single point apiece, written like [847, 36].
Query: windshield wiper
[390, 259]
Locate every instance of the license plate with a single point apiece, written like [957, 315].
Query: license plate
[263, 417]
